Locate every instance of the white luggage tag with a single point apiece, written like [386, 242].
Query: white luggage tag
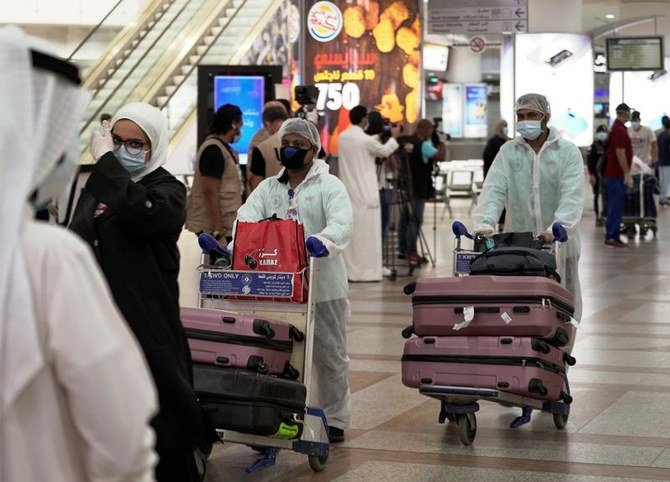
[468, 315]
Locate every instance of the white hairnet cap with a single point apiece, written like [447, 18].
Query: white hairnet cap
[303, 128]
[536, 102]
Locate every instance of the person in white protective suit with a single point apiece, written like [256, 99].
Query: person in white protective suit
[323, 207]
[76, 396]
[539, 178]
[358, 171]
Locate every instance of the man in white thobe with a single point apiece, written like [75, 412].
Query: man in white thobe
[358, 172]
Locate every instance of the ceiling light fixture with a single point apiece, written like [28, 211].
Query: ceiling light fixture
[609, 16]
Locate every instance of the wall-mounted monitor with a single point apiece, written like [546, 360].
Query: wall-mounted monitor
[635, 53]
[435, 57]
[247, 86]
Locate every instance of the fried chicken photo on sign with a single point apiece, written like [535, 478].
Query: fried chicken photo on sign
[407, 39]
[410, 75]
[372, 15]
[384, 35]
[354, 21]
[412, 106]
[391, 108]
[397, 13]
[414, 58]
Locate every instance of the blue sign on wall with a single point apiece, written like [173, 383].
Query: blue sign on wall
[248, 93]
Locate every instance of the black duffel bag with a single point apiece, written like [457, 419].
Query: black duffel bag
[509, 240]
[515, 262]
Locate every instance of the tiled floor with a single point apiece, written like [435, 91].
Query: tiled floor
[619, 427]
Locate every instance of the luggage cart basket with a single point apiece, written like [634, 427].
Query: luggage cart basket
[459, 404]
[219, 289]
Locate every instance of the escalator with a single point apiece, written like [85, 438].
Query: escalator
[155, 58]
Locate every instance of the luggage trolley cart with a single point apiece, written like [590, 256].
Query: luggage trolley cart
[640, 207]
[216, 286]
[459, 404]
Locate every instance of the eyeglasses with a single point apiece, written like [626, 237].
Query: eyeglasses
[132, 146]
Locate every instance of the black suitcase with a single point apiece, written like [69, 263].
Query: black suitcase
[249, 402]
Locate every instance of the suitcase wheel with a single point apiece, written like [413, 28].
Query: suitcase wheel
[263, 328]
[409, 288]
[569, 360]
[291, 372]
[467, 427]
[408, 332]
[539, 345]
[566, 397]
[535, 386]
[295, 334]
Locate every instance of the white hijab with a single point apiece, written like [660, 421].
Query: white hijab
[41, 113]
[154, 124]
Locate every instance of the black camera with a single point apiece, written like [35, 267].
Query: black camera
[438, 136]
[306, 95]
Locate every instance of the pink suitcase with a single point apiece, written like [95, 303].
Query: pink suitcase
[521, 365]
[230, 339]
[510, 305]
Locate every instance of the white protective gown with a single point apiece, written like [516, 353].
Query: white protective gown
[324, 209]
[358, 172]
[538, 190]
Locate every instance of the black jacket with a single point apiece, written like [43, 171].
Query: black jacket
[135, 242]
[596, 153]
[491, 151]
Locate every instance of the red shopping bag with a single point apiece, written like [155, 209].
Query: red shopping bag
[273, 245]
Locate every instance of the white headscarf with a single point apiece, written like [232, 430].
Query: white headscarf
[42, 111]
[154, 124]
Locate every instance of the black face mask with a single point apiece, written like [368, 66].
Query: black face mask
[292, 157]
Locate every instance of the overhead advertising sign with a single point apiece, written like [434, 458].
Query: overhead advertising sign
[635, 53]
[370, 56]
[560, 66]
[477, 16]
[452, 109]
[476, 109]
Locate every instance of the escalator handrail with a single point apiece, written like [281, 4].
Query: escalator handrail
[139, 61]
[94, 29]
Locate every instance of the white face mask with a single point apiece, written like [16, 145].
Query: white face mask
[505, 130]
[635, 125]
[531, 129]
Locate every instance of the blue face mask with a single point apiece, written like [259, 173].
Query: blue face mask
[531, 129]
[601, 136]
[131, 162]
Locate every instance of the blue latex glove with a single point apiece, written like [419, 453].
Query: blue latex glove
[210, 245]
[316, 248]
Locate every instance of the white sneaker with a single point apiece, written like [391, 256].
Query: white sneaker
[386, 271]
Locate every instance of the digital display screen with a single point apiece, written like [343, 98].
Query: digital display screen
[248, 93]
[635, 53]
[435, 57]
